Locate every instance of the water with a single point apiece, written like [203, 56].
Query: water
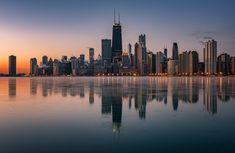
[188, 114]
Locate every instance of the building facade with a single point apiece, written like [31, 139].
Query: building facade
[223, 64]
[172, 67]
[91, 55]
[193, 62]
[106, 52]
[184, 63]
[33, 66]
[12, 65]
[159, 63]
[117, 42]
[175, 51]
[210, 57]
[232, 65]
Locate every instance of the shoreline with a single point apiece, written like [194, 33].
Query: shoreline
[115, 76]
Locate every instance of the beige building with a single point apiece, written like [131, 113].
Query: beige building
[172, 67]
[210, 57]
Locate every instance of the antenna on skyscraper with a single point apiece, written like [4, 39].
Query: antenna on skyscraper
[114, 18]
[119, 18]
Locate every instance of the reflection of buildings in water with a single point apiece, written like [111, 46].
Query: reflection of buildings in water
[82, 90]
[189, 92]
[44, 88]
[73, 90]
[175, 101]
[64, 87]
[47, 87]
[223, 89]
[129, 102]
[142, 109]
[140, 91]
[64, 91]
[106, 101]
[232, 86]
[173, 89]
[185, 89]
[106, 105]
[116, 113]
[165, 100]
[210, 97]
[161, 89]
[150, 89]
[91, 92]
[12, 87]
[33, 86]
[140, 100]
[112, 103]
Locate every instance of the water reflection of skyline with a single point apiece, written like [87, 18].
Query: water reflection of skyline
[138, 92]
[12, 87]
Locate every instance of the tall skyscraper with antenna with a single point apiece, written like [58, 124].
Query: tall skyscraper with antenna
[117, 40]
[175, 51]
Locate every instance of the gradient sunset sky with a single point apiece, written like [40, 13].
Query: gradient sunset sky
[33, 28]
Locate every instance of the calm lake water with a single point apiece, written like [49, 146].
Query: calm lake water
[188, 114]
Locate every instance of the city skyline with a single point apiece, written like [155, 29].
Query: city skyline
[114, 61]
[34, 29]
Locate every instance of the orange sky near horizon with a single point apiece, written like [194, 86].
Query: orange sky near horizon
[23, 60]
[29, 44]
[26, 43]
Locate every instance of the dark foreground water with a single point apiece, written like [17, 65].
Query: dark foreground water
[117, 115]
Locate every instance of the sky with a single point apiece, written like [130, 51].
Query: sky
[33, 28]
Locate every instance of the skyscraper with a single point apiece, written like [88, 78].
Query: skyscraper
[129, 49]
[149, 62]
[175, 51]
[130, 53]
[33, 66]
[44, 60]
[12, 65]
[56, 67]
[159, 62]
[142, 40]
[82, 59]
[117, 41]
[136, 56]
[232, 65]
[165, 53]
[125, 60]
[74, 65]
[188, 63]
[223, 64]
[91, 55]
[183, 63]
[210, 57]
[172, 67]
[154, 63]
[106, 51]
[141, 59]
[64, 58]
[193, 62]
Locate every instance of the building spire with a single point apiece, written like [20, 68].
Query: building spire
[119, 18]
[114, 17]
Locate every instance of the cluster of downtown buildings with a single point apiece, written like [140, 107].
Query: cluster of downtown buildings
[113, 61]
